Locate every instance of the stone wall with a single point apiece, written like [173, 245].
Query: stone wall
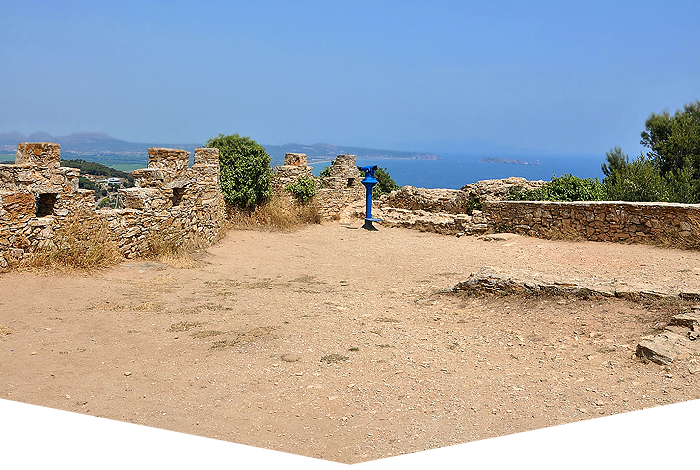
[498, 189]
[446, 211]
[639, 222]
[450, 201]
[170, 201]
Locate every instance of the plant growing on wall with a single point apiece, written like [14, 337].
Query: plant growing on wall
[303, 189]
[245, 170]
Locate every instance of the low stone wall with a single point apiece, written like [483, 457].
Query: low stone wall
[170, 201]
[450, 201]
[498, 189]
[639, 222]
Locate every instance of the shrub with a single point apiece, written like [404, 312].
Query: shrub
[385, 184]
[562, 188]
[245, 170]
[303, 189]
[326, 172]
[669, 171]
[472, 204]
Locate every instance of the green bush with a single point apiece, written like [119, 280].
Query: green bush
[385, 184]
[326, 172]
[245, 170]
[643, 181]
[562, 188]
[303, 189]
[472, 204]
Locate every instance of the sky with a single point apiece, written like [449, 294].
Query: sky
[570, 77]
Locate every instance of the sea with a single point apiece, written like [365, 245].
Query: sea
[453, 171]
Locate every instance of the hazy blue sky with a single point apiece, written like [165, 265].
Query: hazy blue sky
[559, 76]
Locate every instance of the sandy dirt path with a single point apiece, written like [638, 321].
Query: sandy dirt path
[343, 344]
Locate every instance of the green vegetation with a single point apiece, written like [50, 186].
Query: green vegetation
[245, 170]
[669, 171]
[303, 189]
[326, 172]
[385, 184]
[98, 169]
[563, 188]
[472, 204]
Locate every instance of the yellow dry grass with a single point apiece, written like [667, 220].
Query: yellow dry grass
[81, 244]
[279, 213]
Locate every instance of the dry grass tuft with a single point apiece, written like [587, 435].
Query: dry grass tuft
[184, 325]
[176, 248]
[280, 213]
[565, 234]
[260, 333]
[687, 241]
[334, 358]
[81, 244]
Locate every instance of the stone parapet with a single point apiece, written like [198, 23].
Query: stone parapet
[170, 202]
[206, 156]
[44, 154]
[172, 161]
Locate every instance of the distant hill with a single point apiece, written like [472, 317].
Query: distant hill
[99, 147]
[325, 152]
[89, 146]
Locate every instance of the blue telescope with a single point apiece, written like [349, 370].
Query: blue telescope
[369, 181]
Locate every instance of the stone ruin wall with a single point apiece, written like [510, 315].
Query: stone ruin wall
[170, 201]
[443, 211]
[333, 193]
[638, 222]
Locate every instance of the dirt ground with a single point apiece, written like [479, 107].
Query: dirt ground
[343, 344]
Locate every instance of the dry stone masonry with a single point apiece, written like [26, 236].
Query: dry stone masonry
[450, 211]
[171, 200]
[639, 222]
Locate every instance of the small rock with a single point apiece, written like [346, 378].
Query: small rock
[127, 374]
[290, 357]
[686, 320]
[34, 353]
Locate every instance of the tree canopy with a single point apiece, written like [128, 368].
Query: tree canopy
[245, 170]
[669, 171]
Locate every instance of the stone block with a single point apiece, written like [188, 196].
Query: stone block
[295, 159]
[17, 206]
[38, 153]
[206, 156]
[138, 198]
[148, 177]
[170, 160]
[663, 348]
